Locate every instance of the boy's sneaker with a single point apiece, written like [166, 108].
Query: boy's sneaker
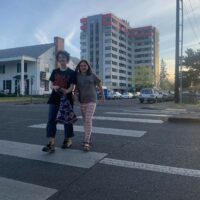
[66, 144]
[50, 148]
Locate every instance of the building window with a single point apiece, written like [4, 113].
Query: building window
[114, 70]
[107, 40]
[46, 85]
[7, 86]
[129, 73]
[122, 78]
[122, 84]
[108, 55]
[108, 77]
[114, 56]
[114, 42]
[114, 35]
[114, 77]
[2, 69]
[114, 21]
[25, 67]
[114, 63]
[108, 48]
[107, 62]
[114, 28]
[122, 71]
[114, 84]
[114, 49]
[19, 67]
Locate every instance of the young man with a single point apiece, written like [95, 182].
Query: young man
[63, 80]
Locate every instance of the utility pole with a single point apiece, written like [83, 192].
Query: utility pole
[181, 57]
[176, 88]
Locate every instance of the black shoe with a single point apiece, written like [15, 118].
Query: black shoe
[50, 148]
[66, 144]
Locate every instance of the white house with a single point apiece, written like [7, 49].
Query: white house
[26, 70]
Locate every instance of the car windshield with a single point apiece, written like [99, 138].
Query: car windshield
[146, 91]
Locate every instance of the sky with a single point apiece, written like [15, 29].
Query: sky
[31, 22]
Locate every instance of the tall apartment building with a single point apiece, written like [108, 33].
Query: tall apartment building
[105, 44]
[108, 43]
[145, 49]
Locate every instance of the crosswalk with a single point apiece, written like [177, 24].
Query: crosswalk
[14, 189]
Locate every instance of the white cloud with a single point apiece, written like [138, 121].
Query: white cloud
[41, 37]
[68, 42]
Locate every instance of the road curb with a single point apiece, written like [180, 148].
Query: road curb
[180, 119]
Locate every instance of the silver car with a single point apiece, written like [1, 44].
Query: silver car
[150, 95]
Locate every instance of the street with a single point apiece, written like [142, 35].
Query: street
[136, 154]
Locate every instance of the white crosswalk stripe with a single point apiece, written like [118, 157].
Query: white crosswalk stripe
[151, 167]
[151, 121]
[138, 114]
[100, 130]
[17, 190]
[70, 157]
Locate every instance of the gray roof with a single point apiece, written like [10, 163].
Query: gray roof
[32, 51]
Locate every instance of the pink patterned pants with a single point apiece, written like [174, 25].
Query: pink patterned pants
[87, 110]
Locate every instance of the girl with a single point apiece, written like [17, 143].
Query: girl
[87, 82]
[62, 81]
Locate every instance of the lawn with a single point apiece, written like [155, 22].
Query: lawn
[23, 99]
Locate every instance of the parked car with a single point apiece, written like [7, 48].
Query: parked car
[114, 95]
[167, 96]
[117, 95]
[127, 95]
[150, 95]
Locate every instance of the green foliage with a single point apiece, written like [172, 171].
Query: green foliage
[191, 62]
[165, 83]
[144, 77]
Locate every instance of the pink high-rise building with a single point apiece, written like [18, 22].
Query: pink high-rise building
[109, 44]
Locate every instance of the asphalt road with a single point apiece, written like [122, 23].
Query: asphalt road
[156, 159]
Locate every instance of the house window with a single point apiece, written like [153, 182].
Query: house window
[25, 67]
[19, 67]
[7, 85]
[46, 85]
[2, 69]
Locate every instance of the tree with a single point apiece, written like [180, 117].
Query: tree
[191, 63]
[165, 83]
[163, 71]
[143, 77]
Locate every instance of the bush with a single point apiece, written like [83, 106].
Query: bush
[7, 95]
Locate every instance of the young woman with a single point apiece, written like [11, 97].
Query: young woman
[86, 93]
[63, 80]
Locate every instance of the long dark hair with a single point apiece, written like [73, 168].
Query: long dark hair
[89, 71]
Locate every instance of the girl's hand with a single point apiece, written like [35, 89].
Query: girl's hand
[55, 87]
[102, 100]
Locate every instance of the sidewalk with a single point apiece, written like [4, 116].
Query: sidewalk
[186, 113]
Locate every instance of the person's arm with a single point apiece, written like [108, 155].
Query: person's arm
[54, 87]
[101, 92]
[67, 91]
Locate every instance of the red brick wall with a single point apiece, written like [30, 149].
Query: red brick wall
[59, 45]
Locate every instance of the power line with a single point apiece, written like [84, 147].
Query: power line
[193, 12]
[191, 22]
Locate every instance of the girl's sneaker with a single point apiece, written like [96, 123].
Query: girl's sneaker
[86, 147]
[50, 148]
